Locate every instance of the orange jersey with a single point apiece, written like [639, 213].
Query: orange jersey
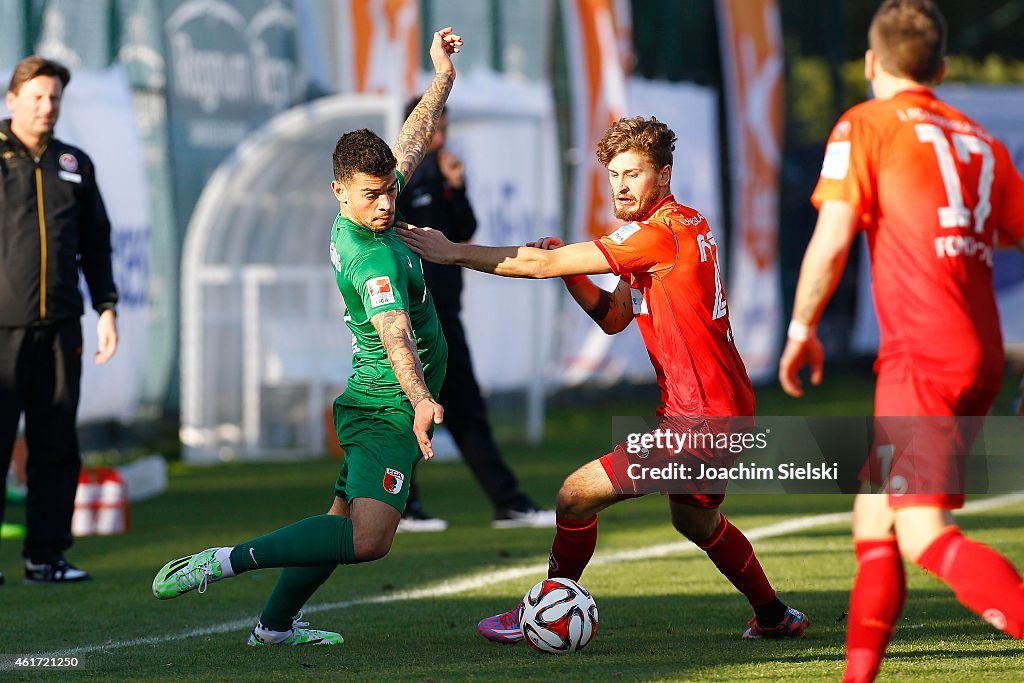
[671, 263]
[935, 194]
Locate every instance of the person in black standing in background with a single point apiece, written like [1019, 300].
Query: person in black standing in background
[52, 223]
[436, 197]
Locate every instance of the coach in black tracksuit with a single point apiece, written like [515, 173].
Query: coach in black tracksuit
[52, 224]
[435, 196]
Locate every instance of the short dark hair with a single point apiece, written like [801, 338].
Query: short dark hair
[35, 66]
[650, 137]
[362, 151]
[909, 38]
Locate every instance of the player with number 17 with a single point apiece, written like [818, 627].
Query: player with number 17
[934, 193]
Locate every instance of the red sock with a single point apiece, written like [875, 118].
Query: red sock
[732, 553]
[982, 579]
[575, 540]
[876, 601]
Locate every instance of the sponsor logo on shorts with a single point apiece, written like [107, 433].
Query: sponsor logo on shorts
[380, 290]
[68, 162]
[393, 481]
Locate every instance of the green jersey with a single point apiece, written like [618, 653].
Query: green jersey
[375, 273]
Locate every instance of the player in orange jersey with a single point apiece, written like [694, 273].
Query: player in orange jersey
[934, 194]
[671, 284]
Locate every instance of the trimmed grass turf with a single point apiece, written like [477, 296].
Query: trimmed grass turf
[672, 618]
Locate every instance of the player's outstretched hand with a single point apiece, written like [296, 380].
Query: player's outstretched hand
[430, 244]
[428, 412]
[546, 243]
[444, 44]
[796, 355]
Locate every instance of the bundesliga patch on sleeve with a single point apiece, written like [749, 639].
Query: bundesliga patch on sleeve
[837, 160]
[623, 233]
[380, 290]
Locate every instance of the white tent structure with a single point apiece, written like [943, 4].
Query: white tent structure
[264, 349]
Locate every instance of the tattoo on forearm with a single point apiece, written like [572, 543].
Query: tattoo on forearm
[395, 331]
[411, 146]
[601, 307]
[817, 292]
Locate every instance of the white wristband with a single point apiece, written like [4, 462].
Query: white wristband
[798, 331]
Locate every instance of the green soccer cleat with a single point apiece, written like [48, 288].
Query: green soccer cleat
[185, 574]
[298, 635]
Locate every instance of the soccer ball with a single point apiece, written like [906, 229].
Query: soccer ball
[558, 616]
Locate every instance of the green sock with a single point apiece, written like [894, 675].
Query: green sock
[311, 542]
[294, 587]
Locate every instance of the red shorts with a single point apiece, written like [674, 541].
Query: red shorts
[677, 450]
[924, 453]
[705, 501]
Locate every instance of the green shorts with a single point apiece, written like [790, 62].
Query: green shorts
[380, 454]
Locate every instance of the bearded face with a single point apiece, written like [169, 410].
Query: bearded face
[637, 185]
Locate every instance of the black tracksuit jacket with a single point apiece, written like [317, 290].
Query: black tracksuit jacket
[52, 223]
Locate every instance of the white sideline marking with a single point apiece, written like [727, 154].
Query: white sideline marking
[490, 577]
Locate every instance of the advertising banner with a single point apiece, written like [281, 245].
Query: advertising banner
[230, 67]
[380, 46]
[750, 35]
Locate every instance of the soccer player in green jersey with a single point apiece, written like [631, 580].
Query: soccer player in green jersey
[385, 416]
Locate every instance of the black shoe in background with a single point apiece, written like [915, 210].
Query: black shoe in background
[60, 571]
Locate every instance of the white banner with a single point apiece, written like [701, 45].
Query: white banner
[97, 115]
[997, 108]
[599, 45]
[504, 132]
[750, 35]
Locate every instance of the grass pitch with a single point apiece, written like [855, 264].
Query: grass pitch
[663, 617]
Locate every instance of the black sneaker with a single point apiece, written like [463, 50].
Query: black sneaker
[417, 521]
[53, 572]
[1, 578]
[532, 517]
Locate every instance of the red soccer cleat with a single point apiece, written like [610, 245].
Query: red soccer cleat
[792, 625]
[504, 627]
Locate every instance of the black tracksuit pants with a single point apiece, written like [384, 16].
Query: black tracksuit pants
[40, 375]
[465, 416]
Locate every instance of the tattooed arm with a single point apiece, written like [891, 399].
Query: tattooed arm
[612, 311]
[414, 138]
[395, 331]
[819, 275]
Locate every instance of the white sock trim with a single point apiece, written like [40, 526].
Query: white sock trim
[269, 636]
[223, 555]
